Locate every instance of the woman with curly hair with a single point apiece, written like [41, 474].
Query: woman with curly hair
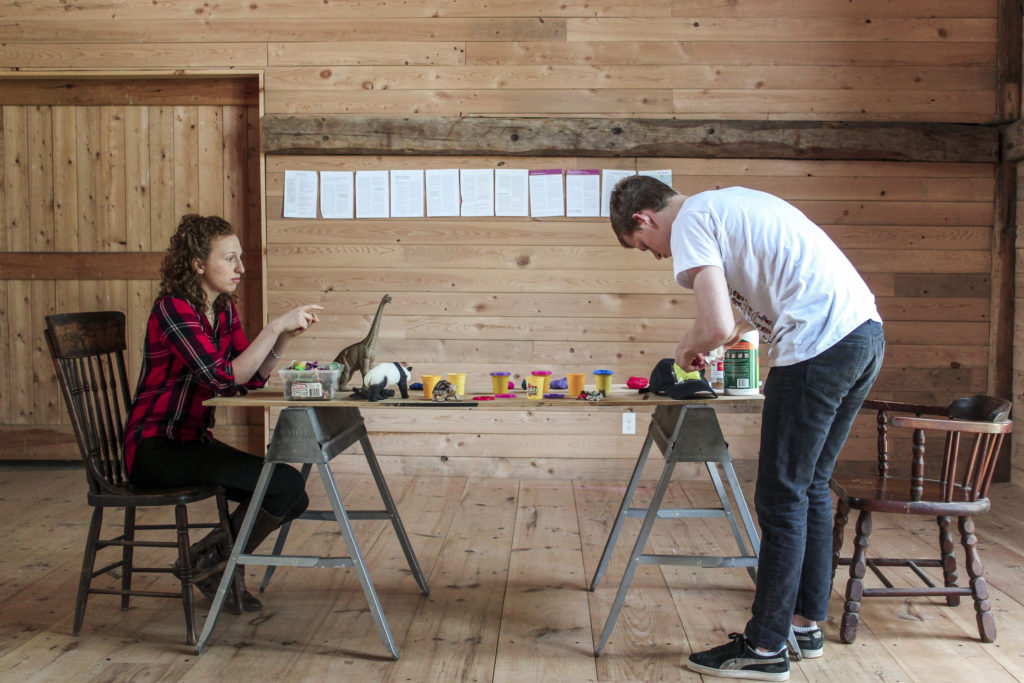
[195, 349]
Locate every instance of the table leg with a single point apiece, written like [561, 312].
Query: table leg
[282, 535]
[357, 559]
[623, 512]
[229, 570]
[636, 556]
[392, 514]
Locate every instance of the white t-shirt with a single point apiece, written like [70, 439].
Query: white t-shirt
[785, 276]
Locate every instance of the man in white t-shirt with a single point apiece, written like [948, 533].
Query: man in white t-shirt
[790, 282]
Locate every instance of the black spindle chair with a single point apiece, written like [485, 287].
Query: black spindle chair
[954, 484]
[88, 355]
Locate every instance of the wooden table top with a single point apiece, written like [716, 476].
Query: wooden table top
[620, 397]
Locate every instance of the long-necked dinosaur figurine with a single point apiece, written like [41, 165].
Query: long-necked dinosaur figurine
[359, 356]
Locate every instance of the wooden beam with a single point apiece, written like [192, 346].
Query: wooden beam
[1001, 301]
[125, 265]
[340, 134]
[148, 91]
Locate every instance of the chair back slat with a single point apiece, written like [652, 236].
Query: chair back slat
[993, 444]
[88, 355]
[979, 424]
[949, 462]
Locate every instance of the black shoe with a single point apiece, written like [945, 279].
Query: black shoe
[207, 561]
[737, 659]
[812, 643]
[250, 603]
[218, 556]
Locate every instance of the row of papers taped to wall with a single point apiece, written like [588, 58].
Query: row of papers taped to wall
[433, 193]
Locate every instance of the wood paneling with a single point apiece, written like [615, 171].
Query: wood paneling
[839, 61]
[808, 99]
[89, 195]
[474, 295]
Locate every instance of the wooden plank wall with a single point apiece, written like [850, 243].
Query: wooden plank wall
[474, 293]
[91, 194]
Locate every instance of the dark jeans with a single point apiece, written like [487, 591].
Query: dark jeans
[809, 408]
[167, 463]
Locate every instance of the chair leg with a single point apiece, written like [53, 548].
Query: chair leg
[838, 528]
[88, 563]
[127, 556]
[979, 587]
[187, 598]
[947, 548]
[855, 586]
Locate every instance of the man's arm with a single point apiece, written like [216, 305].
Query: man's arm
[714, 325]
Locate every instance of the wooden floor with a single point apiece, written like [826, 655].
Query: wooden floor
[508, 564]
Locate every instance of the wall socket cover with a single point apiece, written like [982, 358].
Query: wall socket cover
[629, 423]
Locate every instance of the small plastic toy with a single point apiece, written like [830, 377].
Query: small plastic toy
[445, 391]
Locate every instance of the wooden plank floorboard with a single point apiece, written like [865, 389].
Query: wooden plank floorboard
[648, 637]
[297, 602]
[545, 626]
[727, 608]
[455, 634]
[509, 563]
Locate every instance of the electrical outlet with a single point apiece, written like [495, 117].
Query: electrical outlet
[629, 423]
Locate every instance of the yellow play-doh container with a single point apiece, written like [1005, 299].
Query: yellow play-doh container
[499, 382]
[546, 376]
[603, 381]
[576, 380]
[459, 380]
[535, 388]
[429, 382]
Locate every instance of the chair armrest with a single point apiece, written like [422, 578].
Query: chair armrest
[948, 425]
[900, 407]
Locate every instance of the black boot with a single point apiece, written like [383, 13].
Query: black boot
[215, 559]
[208, 556]
[263, 525]
[213, 551]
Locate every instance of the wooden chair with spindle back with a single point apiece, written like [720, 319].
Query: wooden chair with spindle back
[88, 355]
[956, 486]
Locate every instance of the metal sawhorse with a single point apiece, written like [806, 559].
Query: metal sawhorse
[313, 436]
[684, 433]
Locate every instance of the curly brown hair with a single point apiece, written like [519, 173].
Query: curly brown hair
[193, 240]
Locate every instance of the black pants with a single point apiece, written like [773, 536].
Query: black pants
[167, 463]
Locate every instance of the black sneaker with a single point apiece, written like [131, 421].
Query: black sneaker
[737, 659]
[812, 643]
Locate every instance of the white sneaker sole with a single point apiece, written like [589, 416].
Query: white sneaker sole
[738, 673]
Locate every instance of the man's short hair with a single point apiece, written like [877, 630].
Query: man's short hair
[633, 194]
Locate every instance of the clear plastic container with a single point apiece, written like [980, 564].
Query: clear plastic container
[314, 384]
